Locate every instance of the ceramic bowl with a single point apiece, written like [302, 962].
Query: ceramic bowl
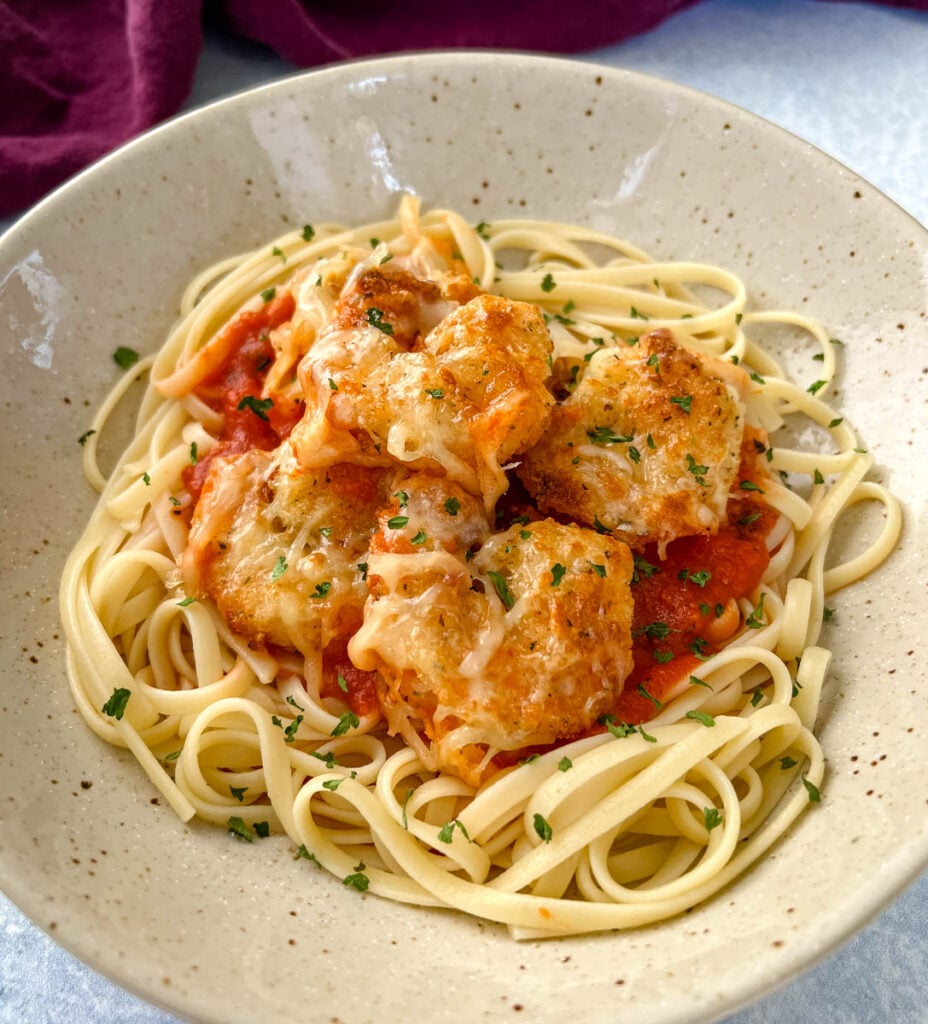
[216, 930]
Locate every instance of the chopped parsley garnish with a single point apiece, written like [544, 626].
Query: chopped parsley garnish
[557, 573]
[637, 315]
[238, 794]
[375, 319]
[618, 729]
[565, 764]
[332, 784]
[788, 762]
[186, 601]
[397, 522]
[634, 454]
[548, 283]
[322, 589]
[600, 570]
[446, 834]
[749, 485]
[836, 423]
[327, 758]
[699, 472]
[452, 506]
[362, 569]
[756, 697]
[238, 828]
[280, 567]
[748, 519]
[82, 440]
[292, 729]
[193, 453]
[420, 538]
[277, 251]
[701, 716]
[606, 435]
[712, 818]
[815, 797]
[125, 357]
[662, 657]
[436, 393]
[643, 691]
[600, 527]
[332, 385]
[268, 294]
[817, 477]
[483, 229]
[309, 233]
[402, 497]
[684, 401]
[756, 619]
[542, 828]
[258, 406]
[342, 682]
[262, 829]
[358, 880]
[502, 589]
[349, 720]
[654, 630]
[696, 681]
[815, 387]
[644, 570]
[115, 707]
[700, 578]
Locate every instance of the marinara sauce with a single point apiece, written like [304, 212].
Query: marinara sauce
[258, 423]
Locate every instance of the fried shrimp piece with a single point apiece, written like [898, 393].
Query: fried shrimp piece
[646, 446]
[404, 374]
[277, 548]
[526, 643]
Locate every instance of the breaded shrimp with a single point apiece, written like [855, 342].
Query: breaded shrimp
[403, 374]
[647, 445]
[277, 548]
[526, 643]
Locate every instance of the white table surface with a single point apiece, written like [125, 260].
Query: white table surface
[852, 78]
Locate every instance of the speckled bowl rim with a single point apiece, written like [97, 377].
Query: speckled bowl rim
[871, 900]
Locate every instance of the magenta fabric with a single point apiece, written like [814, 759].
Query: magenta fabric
[79, 77]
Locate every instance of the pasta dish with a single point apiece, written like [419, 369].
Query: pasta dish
[487, 564]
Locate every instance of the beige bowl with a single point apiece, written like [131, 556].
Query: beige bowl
[220, 931]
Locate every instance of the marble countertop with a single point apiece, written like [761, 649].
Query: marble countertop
[847, 77]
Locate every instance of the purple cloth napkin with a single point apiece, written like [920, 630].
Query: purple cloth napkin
[79, 77]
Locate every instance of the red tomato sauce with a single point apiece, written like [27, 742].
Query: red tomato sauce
[241, 375]
[359, 689]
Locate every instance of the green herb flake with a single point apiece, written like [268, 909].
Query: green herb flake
[749, 485]
[375, 319]
[756, 619]
[815, 797]
[280, 567]
[815, 387]
[238, 828]
[357, 880]
[268, 294]
[684, 401]
[397, 522]
[788, 762]
[756, 697]
[262, 829]
[292, 729]
[836, 423]
[309, 233]
[483, 229]
[277, 251]
[452, 506]
[606, 435]
[82, 440]
[436, 393]
[187, 601]
[698, 471]
[420, 538]
[696, 681]
[332, 784]
[548, 283]
[643, 691]
[238, 794]
[618, 729]
[115, 707]
[193, 453]
[259, 406]
[701, 716]
[600, 570]
[712, 817]
[565, 764]
[557, 573]
[342, 682]
[146, 479]
[502, 589]
[322, 590]
[125, 357]
[817, 477]
[349, 720]
[542, 828]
